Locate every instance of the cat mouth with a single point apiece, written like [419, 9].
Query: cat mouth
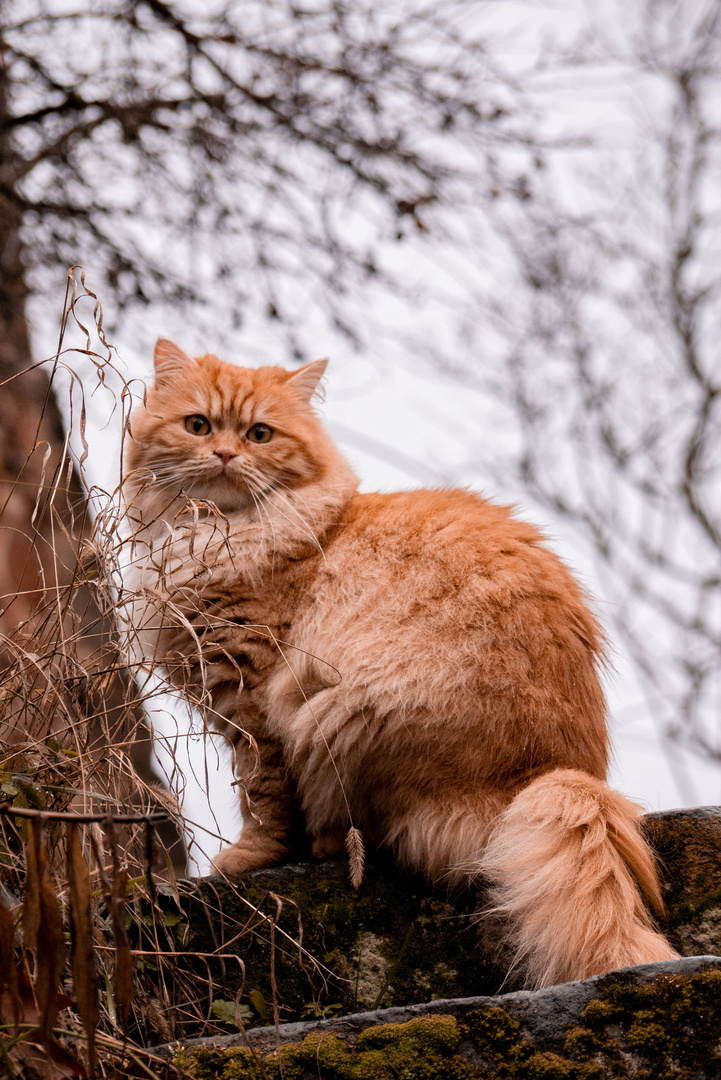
[231, 477]
[233, 484]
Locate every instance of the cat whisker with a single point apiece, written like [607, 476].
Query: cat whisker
[167, 475]
[296, 494]
[300, 518]
[297, 497]
[259, 507]
[289, 519]
[260, 496]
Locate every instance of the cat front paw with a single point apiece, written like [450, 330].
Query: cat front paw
[243, 858]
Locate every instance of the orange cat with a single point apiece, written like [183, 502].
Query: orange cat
[417, 665]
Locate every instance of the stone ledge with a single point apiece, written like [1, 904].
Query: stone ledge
[544, 1015]
[395, 943]
[638, 1023]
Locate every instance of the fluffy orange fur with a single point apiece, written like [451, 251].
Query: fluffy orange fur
[418, 665]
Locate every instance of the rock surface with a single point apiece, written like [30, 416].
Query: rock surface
[654, 1020]
[393, 942]
[318, 950]
[688, 846]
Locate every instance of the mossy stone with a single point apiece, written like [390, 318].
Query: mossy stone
[670, 1028]
[688, 847]
[423, 1049]
[392, 942]
[308, 941]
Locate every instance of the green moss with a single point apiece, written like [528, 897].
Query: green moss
[669, 1030]
[241, 1065]
[423, 1049]
[233, 1064]
[179, 1057]
[492, 1031]
[674, 1024]
[543, 1067]
[330, 1055]
[496, 1036]
[429, 1034]
[646, 1037]
[599, 1012]
[582, 1044]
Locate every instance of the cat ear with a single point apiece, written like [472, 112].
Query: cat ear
[170, 360]
[306, 380]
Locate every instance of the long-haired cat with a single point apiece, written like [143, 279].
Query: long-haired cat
[416, 665]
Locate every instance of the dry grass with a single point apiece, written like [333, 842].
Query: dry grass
[91, 971]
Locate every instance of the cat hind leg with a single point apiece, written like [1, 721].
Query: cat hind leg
[567, 865]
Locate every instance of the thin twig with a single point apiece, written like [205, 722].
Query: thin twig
[57, 815]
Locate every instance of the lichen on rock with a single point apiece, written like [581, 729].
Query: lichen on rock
[703, 936]
[367, 968]
[667, 1028]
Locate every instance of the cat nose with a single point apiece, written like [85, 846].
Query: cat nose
[225, 455]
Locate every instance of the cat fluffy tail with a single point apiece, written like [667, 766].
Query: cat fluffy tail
[566, 862]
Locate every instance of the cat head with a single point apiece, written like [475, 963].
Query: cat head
[227, 434]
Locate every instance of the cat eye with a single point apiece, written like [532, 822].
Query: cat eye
[259, 433]
[197, 425]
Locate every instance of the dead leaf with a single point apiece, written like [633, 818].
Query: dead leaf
[43, 927]
[82, 953]
[49, 1061]
[123, 980]
[8, 970]
[115, 899]
[155, 1015]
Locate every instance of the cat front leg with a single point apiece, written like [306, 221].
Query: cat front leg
[273, 821]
